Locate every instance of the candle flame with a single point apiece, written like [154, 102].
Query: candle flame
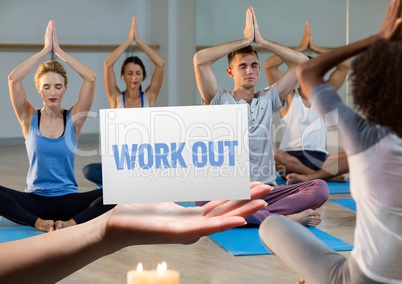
[139, 267]
[162, 267]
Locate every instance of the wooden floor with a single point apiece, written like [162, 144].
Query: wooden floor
[203, 262]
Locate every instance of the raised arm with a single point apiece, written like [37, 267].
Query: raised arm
[311, 73]
[271, 65]
[112, 91]
[81, 108]
[289, 56]
[50, 257]
[203, 59]
[157, 77]
[23, 109]
[338, 75]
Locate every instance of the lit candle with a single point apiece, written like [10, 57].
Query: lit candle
[159, 276]
[138, 276]
[162, 275]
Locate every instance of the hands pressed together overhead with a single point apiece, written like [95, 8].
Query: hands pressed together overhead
[252, 30]
[51, 41]
[133, 35]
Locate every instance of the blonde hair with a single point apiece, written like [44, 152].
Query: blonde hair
[50, 66]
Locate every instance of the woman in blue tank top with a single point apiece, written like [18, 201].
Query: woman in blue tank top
[51, 199]
[133, 73]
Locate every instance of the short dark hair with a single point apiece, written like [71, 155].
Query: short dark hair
[247, 49]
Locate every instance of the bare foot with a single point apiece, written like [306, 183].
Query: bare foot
[301, 281]
[340, 178]
[44, 225]
[296, 178]
[308, 218]
[64, 224]
[281, 170]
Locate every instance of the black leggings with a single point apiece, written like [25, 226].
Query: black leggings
[25, 208]
[311, 159]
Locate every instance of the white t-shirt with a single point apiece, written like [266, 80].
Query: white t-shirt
[303, 128]
[375, 164]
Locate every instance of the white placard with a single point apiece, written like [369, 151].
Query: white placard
[161, 154]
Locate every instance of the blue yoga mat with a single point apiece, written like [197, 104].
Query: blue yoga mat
[348, 203]
[339, 187]
[246, 241]
[186, 204]
[10, 231]
[334, 187]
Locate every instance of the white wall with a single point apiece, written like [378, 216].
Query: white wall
[177, 26]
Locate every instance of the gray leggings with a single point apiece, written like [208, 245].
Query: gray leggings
[306, 255]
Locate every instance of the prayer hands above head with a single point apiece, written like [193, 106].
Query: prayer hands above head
[55, 41]
[257, 34]
[249, 28]
[133, 34]
[49, 36]
[153, 223]
[391, 26]
[306, 38]
[311, 42]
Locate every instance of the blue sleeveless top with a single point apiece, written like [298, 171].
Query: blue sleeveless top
[121, 100]
[51, 160]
